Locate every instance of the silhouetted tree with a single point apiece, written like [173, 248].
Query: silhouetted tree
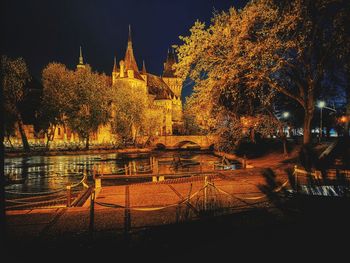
[15, 77]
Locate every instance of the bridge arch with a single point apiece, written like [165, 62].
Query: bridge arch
[212, 147]
[177, 141]
[160, 146]
[181, 144]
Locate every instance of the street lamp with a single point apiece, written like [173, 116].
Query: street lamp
[285, 114]
[322, 104]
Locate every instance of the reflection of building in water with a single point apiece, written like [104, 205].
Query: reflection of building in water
[164, 93]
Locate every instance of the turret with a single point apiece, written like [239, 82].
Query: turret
[122, 68]
[81, 61]
[115, 71]
[174, 83]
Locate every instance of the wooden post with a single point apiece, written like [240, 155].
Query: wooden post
[92, 214]
[296, 177]
[126, 169]
[69, 195]
[127, 216]
[134, 166]
[85, 180]
[205, 192]
[97, 183]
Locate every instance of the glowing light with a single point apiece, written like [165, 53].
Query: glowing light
[285, 114]
[321, 104]
[343, 119]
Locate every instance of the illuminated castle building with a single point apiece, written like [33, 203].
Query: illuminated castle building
[164, 93]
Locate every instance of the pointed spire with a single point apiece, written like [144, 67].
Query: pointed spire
[129, 37]
[143, 67]
[129, 59]
[81, 60]
[115, 65]
[81, 57]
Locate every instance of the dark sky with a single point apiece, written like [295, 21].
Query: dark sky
[43, 31]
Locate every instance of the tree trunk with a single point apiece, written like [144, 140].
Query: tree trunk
[87, 143]
[307, 127]
[25, 143]
[3, 230]
[47, 141]
[50, 135]
[252, 135]
[283, 137]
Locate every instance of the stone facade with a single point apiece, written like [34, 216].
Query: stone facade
[164, 91]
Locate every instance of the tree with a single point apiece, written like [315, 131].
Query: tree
[245, 57]
[15, 76]
[193, 123]
[292, 47]
[222, 103]
[56, 99]
[132, 111]
[89, 106]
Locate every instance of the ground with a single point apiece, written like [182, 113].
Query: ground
[253, 226]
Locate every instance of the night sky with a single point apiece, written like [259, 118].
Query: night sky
[43, 31]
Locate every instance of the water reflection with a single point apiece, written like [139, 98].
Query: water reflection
[46, 173]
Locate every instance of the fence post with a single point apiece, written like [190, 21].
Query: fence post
[69, 195]
[126, 169]
[134, 166]
[92, 214]
[244, 162]
[205, 192]
[127, 216]
[129, 168]
[296, 177]
[97, 183]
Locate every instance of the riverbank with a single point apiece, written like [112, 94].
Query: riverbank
[75, 152]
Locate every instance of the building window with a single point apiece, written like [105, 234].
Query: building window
[59, 131]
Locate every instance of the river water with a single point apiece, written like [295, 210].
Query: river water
[38, 174]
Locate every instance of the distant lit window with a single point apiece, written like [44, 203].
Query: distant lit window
[59, 131]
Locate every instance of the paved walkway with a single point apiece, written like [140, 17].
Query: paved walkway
[149, 204]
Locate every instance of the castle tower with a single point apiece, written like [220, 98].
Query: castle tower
[144, 71]
[114, 71]
[81, 61]
[174, 83]
[131, 68]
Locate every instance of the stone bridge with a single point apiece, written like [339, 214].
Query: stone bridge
[178, 141]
